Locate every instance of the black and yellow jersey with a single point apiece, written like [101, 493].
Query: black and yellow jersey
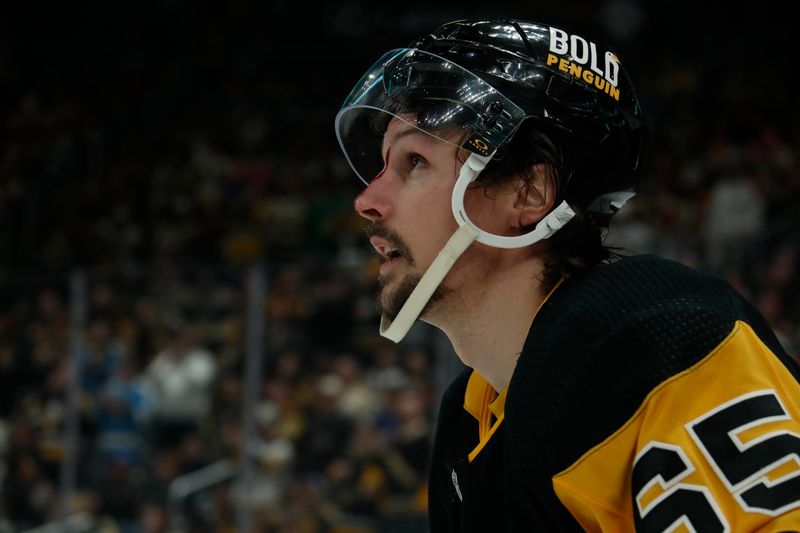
[648, 397]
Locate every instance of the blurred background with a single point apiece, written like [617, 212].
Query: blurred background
[177, 234]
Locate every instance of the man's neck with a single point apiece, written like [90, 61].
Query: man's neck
[488, 324]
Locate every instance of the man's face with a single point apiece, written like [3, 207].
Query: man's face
[408, 203]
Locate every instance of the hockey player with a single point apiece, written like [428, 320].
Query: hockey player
[603, 393]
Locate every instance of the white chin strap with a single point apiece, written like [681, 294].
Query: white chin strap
[467, 232]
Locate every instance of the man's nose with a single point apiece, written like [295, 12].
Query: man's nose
[374, 203]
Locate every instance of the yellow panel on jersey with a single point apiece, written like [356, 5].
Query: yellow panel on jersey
[717, 445]
[482, 402]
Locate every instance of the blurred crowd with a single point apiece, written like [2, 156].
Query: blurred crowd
[163, 164]
[342, 421]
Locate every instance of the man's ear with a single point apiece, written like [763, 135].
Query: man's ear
[534, 198]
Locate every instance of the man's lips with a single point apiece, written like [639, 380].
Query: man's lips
[385, 248]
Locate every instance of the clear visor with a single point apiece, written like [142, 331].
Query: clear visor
[430, 93]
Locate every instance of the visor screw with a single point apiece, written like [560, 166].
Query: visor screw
[496, 107]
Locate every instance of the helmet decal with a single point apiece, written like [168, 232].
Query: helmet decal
[580, 58]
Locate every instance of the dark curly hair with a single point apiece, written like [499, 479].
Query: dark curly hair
[576, 247]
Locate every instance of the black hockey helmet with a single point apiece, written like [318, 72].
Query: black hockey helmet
[574, 89]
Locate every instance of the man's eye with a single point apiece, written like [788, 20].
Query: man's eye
[417, 161]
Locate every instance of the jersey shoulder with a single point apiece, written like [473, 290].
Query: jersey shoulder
[604, 341]
[636, 389]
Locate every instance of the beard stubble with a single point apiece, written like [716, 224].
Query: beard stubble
[390, 302]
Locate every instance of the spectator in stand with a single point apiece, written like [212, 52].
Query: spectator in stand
[181, 376]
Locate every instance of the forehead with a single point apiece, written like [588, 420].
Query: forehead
[403, 127]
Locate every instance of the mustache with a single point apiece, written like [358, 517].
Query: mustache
[380, 229]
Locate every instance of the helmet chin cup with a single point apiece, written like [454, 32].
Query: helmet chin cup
[546, 227]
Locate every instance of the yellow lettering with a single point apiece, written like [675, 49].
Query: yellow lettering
[600, 83]
[576, 70]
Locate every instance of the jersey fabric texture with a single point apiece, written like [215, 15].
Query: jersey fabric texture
[648, 397]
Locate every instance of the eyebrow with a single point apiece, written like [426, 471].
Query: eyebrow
[411, 130]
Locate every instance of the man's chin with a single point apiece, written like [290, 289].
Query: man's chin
[393, 296]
